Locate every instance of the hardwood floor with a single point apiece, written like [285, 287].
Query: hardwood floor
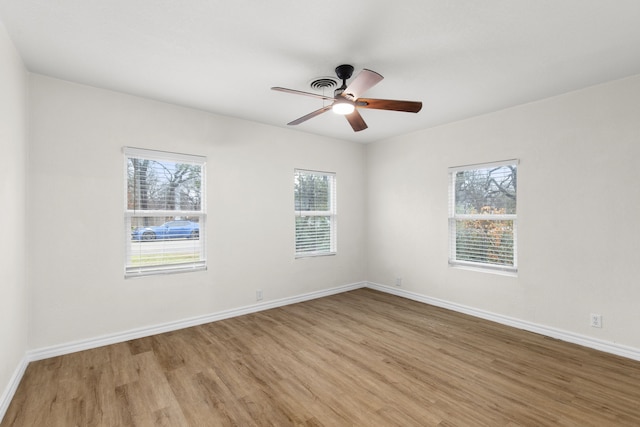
[360, 358]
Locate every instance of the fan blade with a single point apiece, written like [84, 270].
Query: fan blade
[299, 92]
[389, 104]
[309, 116]
[364, 81]
[356, 121]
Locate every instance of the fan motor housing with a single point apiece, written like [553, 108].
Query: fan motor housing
[344, 71]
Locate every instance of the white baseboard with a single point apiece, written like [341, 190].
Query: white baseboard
[606, 346]
[72, 347]
[10, 391]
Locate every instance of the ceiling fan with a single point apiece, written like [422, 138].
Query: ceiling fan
[347, 101]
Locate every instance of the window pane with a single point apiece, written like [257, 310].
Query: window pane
[312, 192]
[485, 241]
[163, 185]
[169, 243]
[486, 191]
[313, 234]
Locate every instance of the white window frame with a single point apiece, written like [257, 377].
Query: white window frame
[453, 217]
[197, 245]
[331, 213]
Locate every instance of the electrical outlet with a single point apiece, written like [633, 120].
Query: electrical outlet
[596, 320]
[259, 295]
[398, 281]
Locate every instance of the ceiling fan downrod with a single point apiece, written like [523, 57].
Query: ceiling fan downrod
[344, 73]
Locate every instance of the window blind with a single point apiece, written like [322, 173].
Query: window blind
[164, 212]
[315, 213]
[482, 216]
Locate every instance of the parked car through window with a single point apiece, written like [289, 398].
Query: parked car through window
[168, 230]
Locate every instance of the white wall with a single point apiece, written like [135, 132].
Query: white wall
[13, 152]
[578, 211]
[577, 240]
[76, 216]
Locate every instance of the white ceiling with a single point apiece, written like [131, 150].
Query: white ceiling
[461, 58]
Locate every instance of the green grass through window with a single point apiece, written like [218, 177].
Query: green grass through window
[163, 259]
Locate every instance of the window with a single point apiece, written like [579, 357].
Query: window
[482, 216]
[315, 213]
[164, 212]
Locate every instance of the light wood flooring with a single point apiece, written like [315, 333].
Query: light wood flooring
[361, 358]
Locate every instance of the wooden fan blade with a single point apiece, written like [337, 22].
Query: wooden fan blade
[309, 116]
[389, 104]
[299, 92]
[356, 121]
[364, 81]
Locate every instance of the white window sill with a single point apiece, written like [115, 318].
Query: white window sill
[485, 270]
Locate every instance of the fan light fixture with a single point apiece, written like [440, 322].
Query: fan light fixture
[342, 108]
